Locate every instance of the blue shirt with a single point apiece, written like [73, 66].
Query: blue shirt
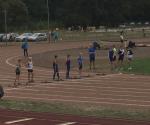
[91, 51]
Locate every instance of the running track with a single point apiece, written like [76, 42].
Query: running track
[27, 118]
[117, 90]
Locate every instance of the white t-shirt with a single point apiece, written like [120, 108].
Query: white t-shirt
[30, 65]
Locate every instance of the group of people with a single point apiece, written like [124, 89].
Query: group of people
[120, 53]
[113, 55]
[29, 65]
[68, 66]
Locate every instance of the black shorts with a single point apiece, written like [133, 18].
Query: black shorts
[121, 40]
[30, 70]
[18, 73]
[92, 58]
[121, 58]
[80, 67]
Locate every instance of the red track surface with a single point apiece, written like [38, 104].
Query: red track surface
[53, 119]
[118, 90]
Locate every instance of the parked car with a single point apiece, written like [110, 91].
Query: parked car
[1, 37]
[10, 36]
[38, 37]
[23, 36]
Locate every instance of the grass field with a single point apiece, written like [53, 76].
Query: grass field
[59, 108]
[139, 66]
[104, 36]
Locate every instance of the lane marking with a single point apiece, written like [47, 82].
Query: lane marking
[68, 123]
[17, 121]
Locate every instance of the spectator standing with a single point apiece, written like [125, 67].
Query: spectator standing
[25, 47]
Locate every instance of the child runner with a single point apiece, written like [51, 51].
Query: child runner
[91, 51]
[18, 71]
[114, 56]
[121, 53]
[130, 57]
[55, 68]
[68, 66]
[111, 57]
[80, 64]
[30, 70]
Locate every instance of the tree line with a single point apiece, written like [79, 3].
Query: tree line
[32, 14]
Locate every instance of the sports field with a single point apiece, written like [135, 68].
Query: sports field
[99, 93]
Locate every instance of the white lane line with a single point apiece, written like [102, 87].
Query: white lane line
[17, 121]
[68, 123]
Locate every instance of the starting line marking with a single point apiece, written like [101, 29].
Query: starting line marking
[68, 123]
[17, 121]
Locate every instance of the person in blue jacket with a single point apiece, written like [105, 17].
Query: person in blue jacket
[25, 47]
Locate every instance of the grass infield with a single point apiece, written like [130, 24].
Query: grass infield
[139, 66]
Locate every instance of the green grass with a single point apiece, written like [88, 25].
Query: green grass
[100, 36]
[99, 112]
[139, 66]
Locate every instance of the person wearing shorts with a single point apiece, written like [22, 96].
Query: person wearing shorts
[111, 57]
[91, 52]
[130, 57]
[80, 64]
[30, 70]
[121, 54]
[114, 56]
[18, 72]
